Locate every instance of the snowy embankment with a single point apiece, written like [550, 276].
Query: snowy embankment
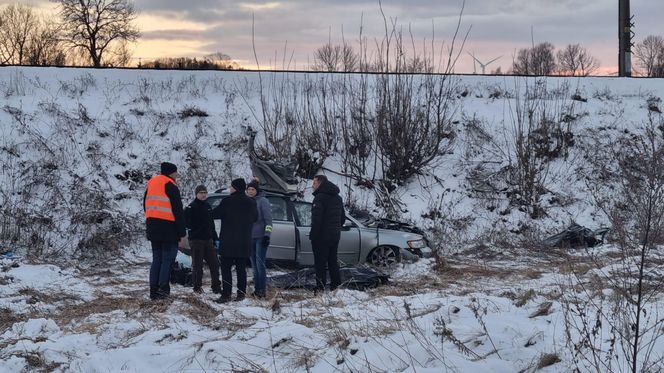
[77, 146]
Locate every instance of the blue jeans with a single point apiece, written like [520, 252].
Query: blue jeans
[163, 256]
[258, 253]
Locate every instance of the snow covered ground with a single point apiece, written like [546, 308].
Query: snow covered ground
[76, 146]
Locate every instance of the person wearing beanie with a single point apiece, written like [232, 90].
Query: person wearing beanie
[238, 214]
[202, 234]
[165, 227]
[239, 185]
[168, 168]
[260, 236]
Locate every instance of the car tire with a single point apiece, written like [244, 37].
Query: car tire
[384, 256]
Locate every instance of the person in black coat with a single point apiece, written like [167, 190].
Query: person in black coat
[202, 234]
[238, 213]
[327, 218]
[165, 227]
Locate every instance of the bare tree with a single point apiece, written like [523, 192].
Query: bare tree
[538, 60]
[650, 55]
[28, 38]
[575, 60]
[96, 27]
[45, 48]
[17, 22]
[223, 61]
[337, 57]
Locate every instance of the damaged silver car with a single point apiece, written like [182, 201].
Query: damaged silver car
[362, 240]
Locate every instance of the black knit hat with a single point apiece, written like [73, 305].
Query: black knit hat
[168, 168]
[200, 188]
[254, 184]
[239, 184]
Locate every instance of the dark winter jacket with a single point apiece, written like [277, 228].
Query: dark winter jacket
[327, 214]
[164, 230]
[238, 214]
[262, 226]
[198, 216]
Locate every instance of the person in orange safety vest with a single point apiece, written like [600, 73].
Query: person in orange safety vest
[165, 226]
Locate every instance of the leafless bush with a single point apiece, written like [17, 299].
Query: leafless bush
[413, 113]
[17, 84]
[191, 111]
[79, 86]
[446, 228]
[102, 231]
[401, 118]
[413, 125]
[618, 329]
[541, 132]
[317, 125]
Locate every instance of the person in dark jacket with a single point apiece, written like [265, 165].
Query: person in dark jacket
[237, 213]
[165, 227]
[327, 218]
[260, 236]
[202, 234]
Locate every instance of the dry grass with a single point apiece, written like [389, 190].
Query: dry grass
[463, 274]
[198, 310]
[35, 296]
[103, 304]
[547, 360]
[411, 287]
[7, 318]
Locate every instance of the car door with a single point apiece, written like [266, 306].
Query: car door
[349, 243]
[282, 240]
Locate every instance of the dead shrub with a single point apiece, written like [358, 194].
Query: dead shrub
[192, 111]
[525, 297]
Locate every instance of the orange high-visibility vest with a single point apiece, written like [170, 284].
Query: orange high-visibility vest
[157, 203]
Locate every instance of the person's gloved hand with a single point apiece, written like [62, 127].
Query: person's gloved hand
[266, 241]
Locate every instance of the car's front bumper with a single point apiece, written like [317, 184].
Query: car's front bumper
[422, 252]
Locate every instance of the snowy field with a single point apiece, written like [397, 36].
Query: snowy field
[77, 145]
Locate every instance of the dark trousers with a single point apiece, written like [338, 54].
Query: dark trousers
[163, 255]
[203, 250]
[325, 257]
[257, 258]
[227, 275]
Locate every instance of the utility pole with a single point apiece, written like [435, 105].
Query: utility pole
[624, 39]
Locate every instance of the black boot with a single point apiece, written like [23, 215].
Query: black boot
[223, 299]
[153, 292]
[162, 293]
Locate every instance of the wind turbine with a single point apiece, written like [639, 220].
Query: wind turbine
[482, 65]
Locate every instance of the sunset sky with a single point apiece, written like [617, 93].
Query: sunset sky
[287, 32]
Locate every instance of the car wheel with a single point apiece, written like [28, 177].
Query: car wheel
[383, 256]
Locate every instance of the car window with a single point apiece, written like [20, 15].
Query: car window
[303, 212]
[279, 208]
[214, 201]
